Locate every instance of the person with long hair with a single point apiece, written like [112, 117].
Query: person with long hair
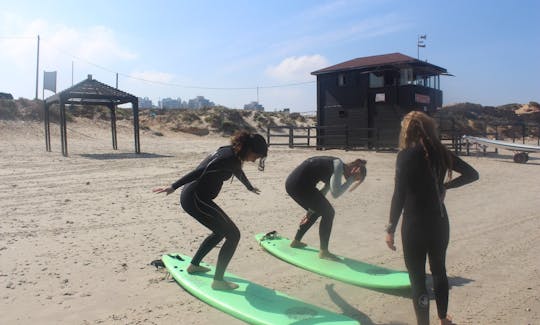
[422, 165]
[301, 185]
[202, 186]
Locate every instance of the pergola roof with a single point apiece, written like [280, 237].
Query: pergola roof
[92, 92]
[384, 62]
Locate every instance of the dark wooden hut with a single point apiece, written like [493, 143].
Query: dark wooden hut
[91, 92]
[361, 102]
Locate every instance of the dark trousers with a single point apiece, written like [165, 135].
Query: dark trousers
[212, 217]
[313, 201]
[420, 242]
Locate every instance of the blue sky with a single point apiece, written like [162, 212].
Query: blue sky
[224, 50]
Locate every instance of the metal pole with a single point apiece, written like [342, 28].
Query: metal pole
[37, 68]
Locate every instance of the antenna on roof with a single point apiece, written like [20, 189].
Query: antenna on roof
[419, 44]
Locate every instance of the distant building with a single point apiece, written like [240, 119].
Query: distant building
[145, 102]
[254, 106]
[169, 103]
[199, 102]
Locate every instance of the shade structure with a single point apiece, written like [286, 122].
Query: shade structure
[91, 92]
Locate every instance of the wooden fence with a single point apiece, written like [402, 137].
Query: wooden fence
[343, 137]
[323, 137]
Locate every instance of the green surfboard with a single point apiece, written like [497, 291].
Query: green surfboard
[250, 302]
[346, 270]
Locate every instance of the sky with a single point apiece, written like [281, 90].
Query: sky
[235, 52]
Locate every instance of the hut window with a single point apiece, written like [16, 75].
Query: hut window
[342, 82]
[376, 81]
[405, 76]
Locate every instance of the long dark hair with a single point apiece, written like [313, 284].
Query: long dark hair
[418, 128]
[244, 141]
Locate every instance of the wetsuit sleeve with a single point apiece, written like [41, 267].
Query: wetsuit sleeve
[216, 161]
[239, 173]
[398, 198]
[188, 178]
[467, 173]
[336, 187]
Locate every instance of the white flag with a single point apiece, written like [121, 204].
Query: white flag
[49, 80]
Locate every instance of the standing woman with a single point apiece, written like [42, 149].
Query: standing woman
[202, 186]
[301, 185]
[421, 166]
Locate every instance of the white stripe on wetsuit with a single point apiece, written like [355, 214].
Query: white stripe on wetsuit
[334, 186]
[225, 218]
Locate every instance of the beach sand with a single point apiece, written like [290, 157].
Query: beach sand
[77, 233]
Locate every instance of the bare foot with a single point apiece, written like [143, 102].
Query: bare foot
[324, 254]
[447, 321]
[297, 244]
[223, 285]
[197, 269]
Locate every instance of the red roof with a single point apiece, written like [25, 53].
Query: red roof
[374, 61]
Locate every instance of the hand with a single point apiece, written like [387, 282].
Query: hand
[305, 219]
[355, 170]
[358, 177]
[390, 241]
[359, 173]
[255, 190]
[167, 190]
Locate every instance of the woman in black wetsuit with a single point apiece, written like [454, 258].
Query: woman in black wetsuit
[421, 166]
[301, 185]
[202, 186]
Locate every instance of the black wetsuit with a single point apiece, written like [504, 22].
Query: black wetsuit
[425, 228]
[301, 185]
[202, 185]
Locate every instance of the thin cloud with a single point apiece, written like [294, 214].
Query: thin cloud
[296, 69]
[358, 30]
[95, 44]
[153, 76]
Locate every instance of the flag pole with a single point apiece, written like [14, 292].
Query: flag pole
[37, 68]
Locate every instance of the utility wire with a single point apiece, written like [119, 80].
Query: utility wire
[175, 84]
[17, 37]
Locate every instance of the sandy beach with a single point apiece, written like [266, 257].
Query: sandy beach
[77, 233]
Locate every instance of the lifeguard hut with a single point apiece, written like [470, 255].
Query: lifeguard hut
[361, 102]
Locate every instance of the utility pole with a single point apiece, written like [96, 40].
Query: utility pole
[419, 44]
[37, 68]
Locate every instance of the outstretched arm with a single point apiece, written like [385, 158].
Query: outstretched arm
[189, 177]
[239, 173]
